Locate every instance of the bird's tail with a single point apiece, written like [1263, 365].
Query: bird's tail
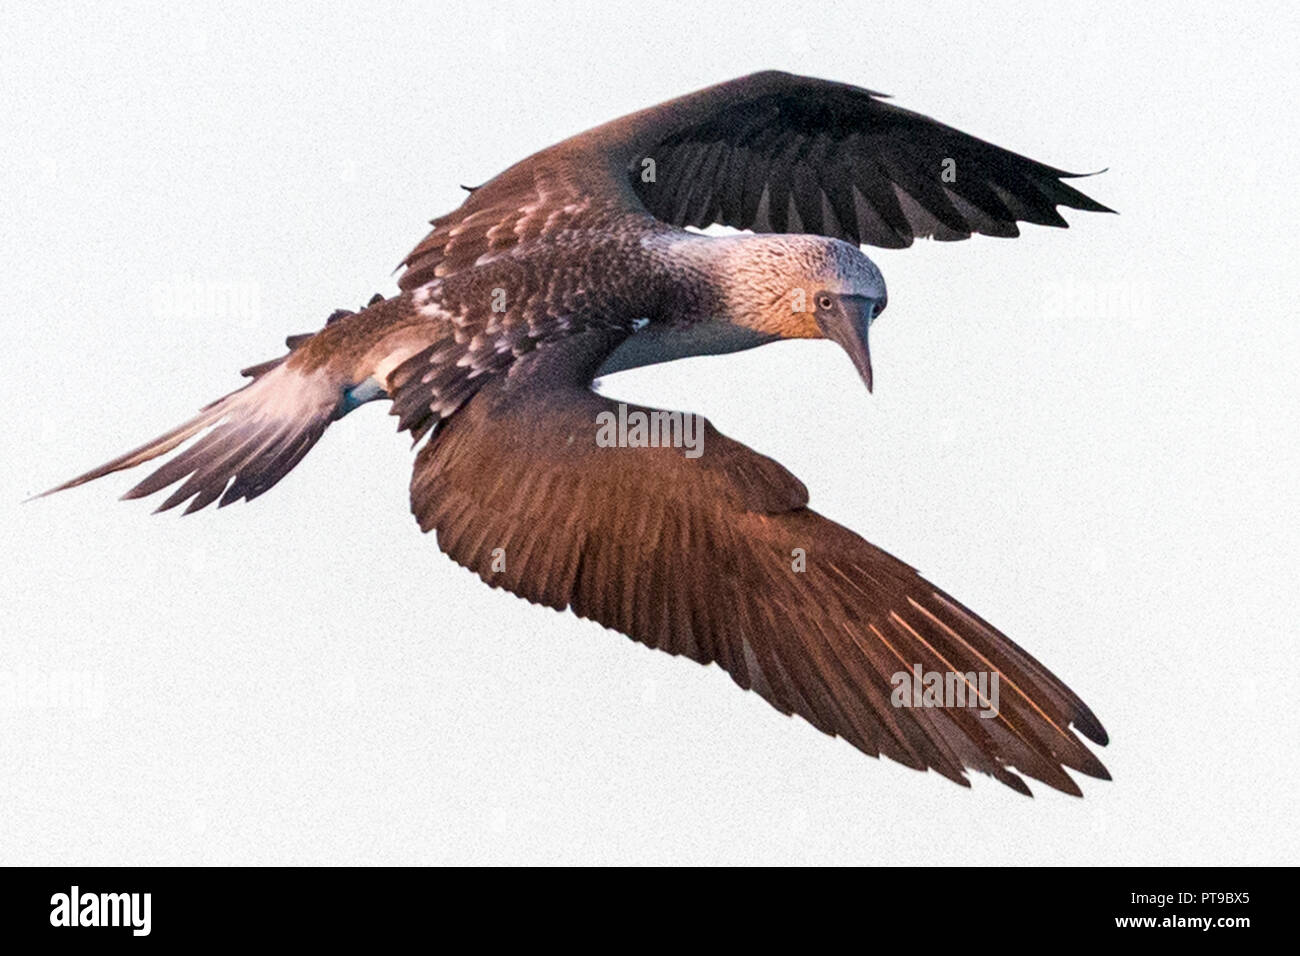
[254, 436]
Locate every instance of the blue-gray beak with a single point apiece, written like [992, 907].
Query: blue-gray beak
[846, 322]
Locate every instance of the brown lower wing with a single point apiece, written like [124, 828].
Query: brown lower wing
[700, 557]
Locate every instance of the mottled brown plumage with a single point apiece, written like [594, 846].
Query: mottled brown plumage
[574, 261]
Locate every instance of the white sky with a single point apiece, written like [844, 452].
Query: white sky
[1086, 435]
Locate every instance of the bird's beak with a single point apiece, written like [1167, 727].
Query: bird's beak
[846, 325]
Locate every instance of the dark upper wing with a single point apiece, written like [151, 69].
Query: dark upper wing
[783, 153]
[696, 556]
[772, 152]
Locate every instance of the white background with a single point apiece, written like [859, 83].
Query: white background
[1086, 435]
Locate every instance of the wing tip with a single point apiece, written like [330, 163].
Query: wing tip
[1074, 198]
[1087, 724]
[1018, 785]
[1066, 174]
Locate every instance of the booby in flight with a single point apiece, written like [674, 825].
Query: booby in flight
[576, 261]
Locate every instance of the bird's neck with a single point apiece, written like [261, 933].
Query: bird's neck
[721, 279]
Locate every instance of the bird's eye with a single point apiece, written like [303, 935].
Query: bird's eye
[824, 301]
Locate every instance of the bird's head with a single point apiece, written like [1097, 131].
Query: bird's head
[806, 287]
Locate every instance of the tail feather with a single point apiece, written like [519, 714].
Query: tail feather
[254, 437]
[244, 443]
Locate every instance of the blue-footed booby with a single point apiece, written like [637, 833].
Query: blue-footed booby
[578, 261]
